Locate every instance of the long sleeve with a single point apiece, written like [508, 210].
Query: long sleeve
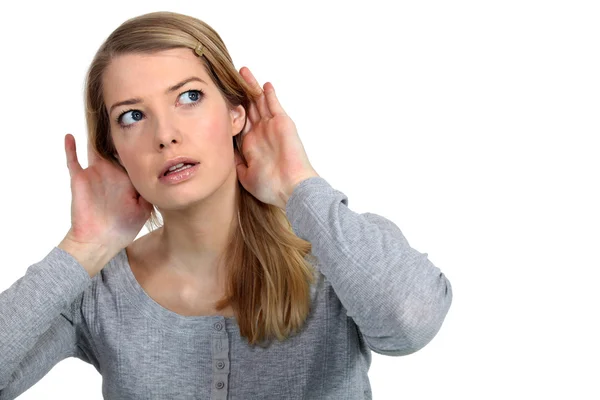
[39, 322]
[395, 295]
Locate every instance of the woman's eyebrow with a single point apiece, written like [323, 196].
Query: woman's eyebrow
[137, 100]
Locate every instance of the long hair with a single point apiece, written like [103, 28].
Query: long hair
[269, 274]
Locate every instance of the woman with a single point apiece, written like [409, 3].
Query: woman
[254, 245]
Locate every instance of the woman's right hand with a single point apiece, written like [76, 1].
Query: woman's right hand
[106, 210]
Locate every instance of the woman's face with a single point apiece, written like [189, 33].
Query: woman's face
[192, 120]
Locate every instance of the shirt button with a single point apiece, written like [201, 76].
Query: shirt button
[218, 326]
[220, 364]
[219, 385]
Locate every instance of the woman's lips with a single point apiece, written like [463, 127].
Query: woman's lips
[176, 177]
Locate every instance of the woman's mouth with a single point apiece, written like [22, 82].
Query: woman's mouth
[181, 174]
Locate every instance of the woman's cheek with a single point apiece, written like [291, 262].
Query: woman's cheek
[214, 135]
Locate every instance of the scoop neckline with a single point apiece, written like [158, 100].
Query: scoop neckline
[146, 304]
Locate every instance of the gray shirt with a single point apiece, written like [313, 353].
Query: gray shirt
[373, 293]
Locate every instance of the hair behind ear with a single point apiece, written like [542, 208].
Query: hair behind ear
[118, 159]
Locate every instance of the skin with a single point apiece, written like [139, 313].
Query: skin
[200, 213]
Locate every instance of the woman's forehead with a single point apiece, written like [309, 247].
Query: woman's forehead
[132, 75]
[167, 63]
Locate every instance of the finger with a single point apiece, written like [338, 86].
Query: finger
[247, 128]
[71, 151]
[253, 113]
[261, 101]
[272, 100]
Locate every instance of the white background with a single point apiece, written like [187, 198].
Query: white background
[471, 125]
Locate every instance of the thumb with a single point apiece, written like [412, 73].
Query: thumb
[240, 166]
[145, 205]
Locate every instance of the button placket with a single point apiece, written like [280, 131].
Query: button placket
[220, 360]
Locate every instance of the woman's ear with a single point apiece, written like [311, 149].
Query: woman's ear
[238, 119]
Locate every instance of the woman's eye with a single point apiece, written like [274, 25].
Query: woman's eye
[135, 114]
[191, 97]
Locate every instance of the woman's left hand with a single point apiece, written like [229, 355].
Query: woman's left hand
[277, 162]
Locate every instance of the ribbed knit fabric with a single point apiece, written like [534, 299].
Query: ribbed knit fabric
[373, 293]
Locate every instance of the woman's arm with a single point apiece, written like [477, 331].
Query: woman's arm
[40, 322]
[394, 294]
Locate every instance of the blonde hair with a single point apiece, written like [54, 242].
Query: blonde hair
[269, 274]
